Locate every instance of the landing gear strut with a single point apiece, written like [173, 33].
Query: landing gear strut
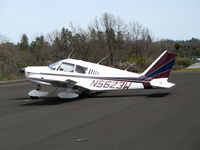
[38, 87]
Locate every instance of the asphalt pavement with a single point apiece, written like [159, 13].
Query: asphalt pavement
[121, 120]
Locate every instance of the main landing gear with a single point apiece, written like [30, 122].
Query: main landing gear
[68, 93]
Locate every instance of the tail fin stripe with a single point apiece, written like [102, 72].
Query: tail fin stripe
[164, 68]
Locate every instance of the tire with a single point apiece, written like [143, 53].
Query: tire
[34, 97]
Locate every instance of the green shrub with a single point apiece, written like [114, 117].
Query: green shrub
[137, 59]
[183, 62]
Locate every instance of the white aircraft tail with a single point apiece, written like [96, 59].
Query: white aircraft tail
[158, 72]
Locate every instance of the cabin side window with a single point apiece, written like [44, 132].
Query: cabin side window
[80, 69]
[66, 67]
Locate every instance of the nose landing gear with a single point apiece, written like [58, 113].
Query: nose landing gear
[34, 94]
[38, 87]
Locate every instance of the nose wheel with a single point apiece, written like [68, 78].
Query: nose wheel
[38, 88]
[34, 94]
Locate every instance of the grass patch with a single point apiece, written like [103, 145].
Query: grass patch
[186, 70]
[8, 77]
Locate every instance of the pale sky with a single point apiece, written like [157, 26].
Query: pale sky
[166, 19]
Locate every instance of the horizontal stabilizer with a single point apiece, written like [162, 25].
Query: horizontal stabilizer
[161, 83]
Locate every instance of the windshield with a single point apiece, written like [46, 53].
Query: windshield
[54, 65]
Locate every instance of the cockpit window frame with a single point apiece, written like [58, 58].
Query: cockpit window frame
[76, 68]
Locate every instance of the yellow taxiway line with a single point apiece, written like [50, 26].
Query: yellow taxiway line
[14, 84]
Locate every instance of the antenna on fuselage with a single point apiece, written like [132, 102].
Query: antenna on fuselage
[129, 66]
[102, 59]
[70, 53]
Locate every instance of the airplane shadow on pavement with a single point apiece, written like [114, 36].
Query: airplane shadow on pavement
[152, 95]
[57, 101]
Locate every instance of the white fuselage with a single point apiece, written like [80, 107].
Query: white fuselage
[95, 78]
[78, 76]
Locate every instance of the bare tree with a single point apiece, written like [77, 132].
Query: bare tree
[3, 39]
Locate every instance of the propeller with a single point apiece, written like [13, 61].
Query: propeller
[22, 70]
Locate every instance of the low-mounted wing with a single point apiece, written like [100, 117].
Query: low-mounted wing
[62, 84]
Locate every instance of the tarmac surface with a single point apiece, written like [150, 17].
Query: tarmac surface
[194, 66]
[120, 120]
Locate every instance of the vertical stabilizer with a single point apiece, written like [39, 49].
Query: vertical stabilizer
[161, 67]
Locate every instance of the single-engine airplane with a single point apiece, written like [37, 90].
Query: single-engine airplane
[78, 76]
